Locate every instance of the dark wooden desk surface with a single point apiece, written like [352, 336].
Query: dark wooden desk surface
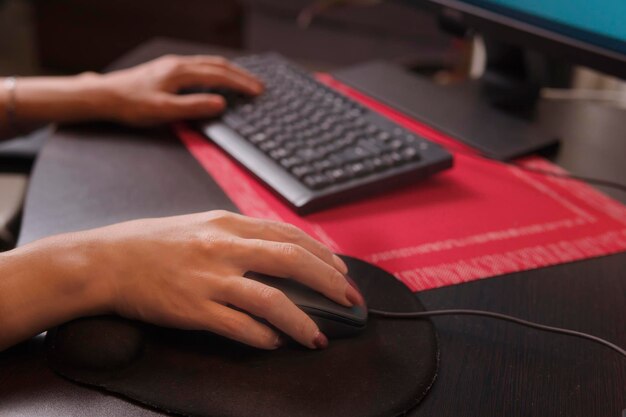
[94, 175]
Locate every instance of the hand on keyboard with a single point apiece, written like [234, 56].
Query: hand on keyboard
[147, 94]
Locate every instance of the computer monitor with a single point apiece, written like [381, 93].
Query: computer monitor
[585, 32]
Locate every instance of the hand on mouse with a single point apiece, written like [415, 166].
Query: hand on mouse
[184, 271]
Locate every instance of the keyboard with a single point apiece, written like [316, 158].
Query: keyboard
[313, 146]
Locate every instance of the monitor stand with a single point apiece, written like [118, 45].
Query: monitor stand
[514, 76]
[460, 111]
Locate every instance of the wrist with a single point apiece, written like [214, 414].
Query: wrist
[76, 260]
[67, 263]
[63, 99]
[47, 283]
[92, 97]
[113, 97]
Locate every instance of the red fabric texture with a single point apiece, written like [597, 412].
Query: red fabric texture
[477, 220]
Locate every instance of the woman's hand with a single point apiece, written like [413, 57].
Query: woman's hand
[185, 271]
[142, 95]
[146, 94]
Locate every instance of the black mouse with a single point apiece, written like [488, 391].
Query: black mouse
[334, 320]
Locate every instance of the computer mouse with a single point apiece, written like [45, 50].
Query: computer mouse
[334, 320]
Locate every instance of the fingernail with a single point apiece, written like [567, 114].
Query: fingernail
[340, 264]
[219, 100]
[353, 295]
[256, 88]
[320, 341]
[280, 341]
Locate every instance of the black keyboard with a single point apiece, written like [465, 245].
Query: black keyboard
[313, 146]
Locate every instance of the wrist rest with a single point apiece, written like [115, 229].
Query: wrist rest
[384, 371]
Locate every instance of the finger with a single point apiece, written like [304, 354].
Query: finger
[273, 305]
[240, 327]
[288, 260]
[224, 63]
[192, 106]
[212, 76]
[250, 228]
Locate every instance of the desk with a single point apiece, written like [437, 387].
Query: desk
[98, 174]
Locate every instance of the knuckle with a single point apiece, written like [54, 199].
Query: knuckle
[167, 58]
[221, 218]
[157, 104]
[267, 339]
[290, 231]
[173, 64]
[212, 240]
[228, 286]
[304, 328]
[220, 215]
[269, 298]
[263, 227]
[220, 73]
[336, 280]
[225, 244]
[220, 61]
[232, 325]
[290, 251]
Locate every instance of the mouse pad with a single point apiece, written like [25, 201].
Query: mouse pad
[384, 371]
[483, 219]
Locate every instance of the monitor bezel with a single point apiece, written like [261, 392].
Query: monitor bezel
[519, 32]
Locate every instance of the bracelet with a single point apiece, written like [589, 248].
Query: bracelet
[10, 84]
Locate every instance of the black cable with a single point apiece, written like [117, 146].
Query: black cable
[493, 315]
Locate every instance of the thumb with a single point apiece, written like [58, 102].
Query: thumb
[193, 106]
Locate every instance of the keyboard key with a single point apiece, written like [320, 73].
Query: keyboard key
[339, 174]
[258, 138]
[291, 161]
[309, 154]
[396, 157]
[302, 170]
[318, 136]
[322, 165]
[279, 153]
[357, 169]
[409, 154]
[316, 181]
[268, 145]
[396, 144]
[233, 120]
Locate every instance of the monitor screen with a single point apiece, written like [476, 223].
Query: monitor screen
[601, 22]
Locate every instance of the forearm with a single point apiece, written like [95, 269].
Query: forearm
[44, 284]
[61, 99]
[39, 100]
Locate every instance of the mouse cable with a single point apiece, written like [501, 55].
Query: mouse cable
[493, 315]
[567, 176]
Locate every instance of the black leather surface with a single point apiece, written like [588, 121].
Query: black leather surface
[95, 175]
[384, 371]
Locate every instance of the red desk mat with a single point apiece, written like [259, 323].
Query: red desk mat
[479, 219]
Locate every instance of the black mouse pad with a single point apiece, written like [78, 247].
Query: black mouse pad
[384, 371]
